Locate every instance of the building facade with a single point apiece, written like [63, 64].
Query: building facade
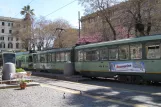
[122, 21]
[8, 41]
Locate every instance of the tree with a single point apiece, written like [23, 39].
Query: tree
[41, 32]
[54, 30]
[68, 38]
[103, 8]
[46, 33]
[26, 26]
[142, 14]
[27, 12]
[90, 39]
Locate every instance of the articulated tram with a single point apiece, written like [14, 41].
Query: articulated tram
[133, 59]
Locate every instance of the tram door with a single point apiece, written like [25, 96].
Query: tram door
[1, 61]
[30, 62]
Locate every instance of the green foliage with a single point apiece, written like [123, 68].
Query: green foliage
[24, 81]
[20, 70]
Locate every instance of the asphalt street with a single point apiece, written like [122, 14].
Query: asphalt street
[89, 93]
[119, 94]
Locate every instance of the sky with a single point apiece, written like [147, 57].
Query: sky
[12, 8]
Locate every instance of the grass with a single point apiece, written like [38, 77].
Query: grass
[20, 70]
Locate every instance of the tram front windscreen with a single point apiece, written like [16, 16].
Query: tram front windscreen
[9, 57]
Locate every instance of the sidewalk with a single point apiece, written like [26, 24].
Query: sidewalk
[14, 84]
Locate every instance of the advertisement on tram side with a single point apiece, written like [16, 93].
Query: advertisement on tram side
[127, 67]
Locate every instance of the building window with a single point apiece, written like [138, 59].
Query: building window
[2, 23]
[10, 31]
[1, 38]
[2, 45]
[8, 24]
[17, 39]
[2, 31]
[12, 24]
[17, 45]
[10, 38]
[10, 45]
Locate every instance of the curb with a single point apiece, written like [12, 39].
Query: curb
[6, 86]
[61, 77]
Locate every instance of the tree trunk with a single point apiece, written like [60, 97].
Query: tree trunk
[148, 28]
[112, 28]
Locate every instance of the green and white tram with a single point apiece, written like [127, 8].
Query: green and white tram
[133, 59]
[52, 60]
[45, 61]
[24, 60]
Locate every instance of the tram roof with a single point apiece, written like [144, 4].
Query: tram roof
[22, 53]
[121, 41]
[55, 50]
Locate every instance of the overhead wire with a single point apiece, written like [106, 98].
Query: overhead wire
[60, 8]
[27, 4]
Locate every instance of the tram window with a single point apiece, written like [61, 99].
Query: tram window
[23, 58]
[35, 58]
[38, 58]
[62, 57]
[42, 58]
[49, 57]
[26, 59]
[53, 57]
[91, 55]
[136, 51]
[67, 56]
[76, 56]
[124, 52]
[57, 57]
[30, 59]
[80, 55]
[113, 54]
[104, 54]
[87, 55]
[153, 50]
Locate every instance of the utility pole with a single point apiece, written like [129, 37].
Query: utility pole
[79, 23]
[60, 31]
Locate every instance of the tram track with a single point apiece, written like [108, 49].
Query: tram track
[123, 82]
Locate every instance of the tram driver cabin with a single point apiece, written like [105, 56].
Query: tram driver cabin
[7, 57]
